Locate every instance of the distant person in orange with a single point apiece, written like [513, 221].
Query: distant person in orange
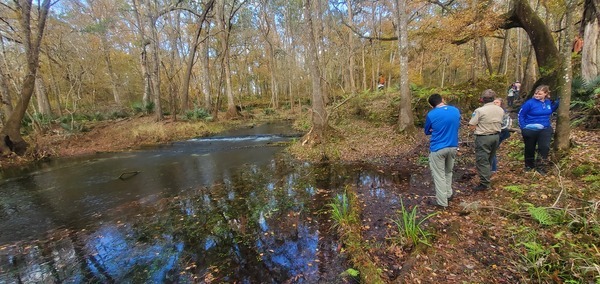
[381, 82]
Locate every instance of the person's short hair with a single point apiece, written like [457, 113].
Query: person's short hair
[543, 88]
[435, 99]
[488, 96]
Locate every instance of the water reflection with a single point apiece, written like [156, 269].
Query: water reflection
[199, 219]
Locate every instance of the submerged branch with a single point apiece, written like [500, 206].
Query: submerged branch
[127, 175]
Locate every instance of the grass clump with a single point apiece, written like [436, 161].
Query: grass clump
[410, 228]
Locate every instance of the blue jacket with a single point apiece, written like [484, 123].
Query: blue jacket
[442, 124]
[535, 114]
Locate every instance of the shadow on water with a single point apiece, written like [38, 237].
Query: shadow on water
[229, 208]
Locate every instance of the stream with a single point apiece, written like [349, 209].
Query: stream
[232, 208]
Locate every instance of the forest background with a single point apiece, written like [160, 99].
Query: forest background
[74, 67]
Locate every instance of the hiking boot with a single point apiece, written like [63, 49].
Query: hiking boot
[481, 187]
[435, 204]
[541, 171]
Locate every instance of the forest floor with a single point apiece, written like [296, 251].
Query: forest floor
[482, 237]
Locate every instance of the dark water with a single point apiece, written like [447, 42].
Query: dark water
[230, 208]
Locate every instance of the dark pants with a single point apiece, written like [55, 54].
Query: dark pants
[539, 138]
[510, 100]
[485, 150]
[504, 134]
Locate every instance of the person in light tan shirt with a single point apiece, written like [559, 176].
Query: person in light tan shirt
[487, 123]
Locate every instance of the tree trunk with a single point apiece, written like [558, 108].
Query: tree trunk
[205, 74]
[144, 64]
[171, 73]
[43, 104]
[5, 97]
[502, 66]
[518, 57]
[405, 116]
[530, 76]
[31, 43]
[267, 27]
[546, 53]
[563, 127]
[486, 57]
[548, 58]
[351, 75]
[155, 67]
[185, 89]
[319, 114]
[224, 33]
[109, 67]
[590, 54]
[474, 61]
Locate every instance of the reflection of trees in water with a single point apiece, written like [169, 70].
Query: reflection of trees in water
[258, 225]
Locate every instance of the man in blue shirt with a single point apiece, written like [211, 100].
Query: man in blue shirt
[442, 123]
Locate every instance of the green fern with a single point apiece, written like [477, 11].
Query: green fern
[541, 215]
[515, 189]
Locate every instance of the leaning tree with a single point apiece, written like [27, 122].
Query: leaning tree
[29, 35]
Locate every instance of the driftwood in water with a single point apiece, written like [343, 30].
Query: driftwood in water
[127, 175]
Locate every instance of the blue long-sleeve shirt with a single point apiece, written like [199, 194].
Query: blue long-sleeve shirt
[442, 124]
[535, 112]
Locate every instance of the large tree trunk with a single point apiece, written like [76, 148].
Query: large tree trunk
[546, 53]
[405, 116]
[319, 114]
[550, 62]
[31, 43]
[590, 55]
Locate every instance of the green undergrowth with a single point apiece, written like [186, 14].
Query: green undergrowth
[555, 219]
[345, 212]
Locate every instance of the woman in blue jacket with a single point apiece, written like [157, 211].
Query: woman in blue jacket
[534, 120]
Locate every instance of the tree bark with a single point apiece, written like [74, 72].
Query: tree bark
[5, 94]
[31, 43]
[224, 33]
[530, 76]
[144, 64]
[502, 66]
[486, 57]
[205, 74]
[185, 89]
[155, 66]
[319, 114]
[563, 127]
[43, 104]
[113, 77]
[405, 116]
[590, 54]
[351, 76]
[546, 52]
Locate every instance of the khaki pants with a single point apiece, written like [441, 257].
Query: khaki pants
[441, 163]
